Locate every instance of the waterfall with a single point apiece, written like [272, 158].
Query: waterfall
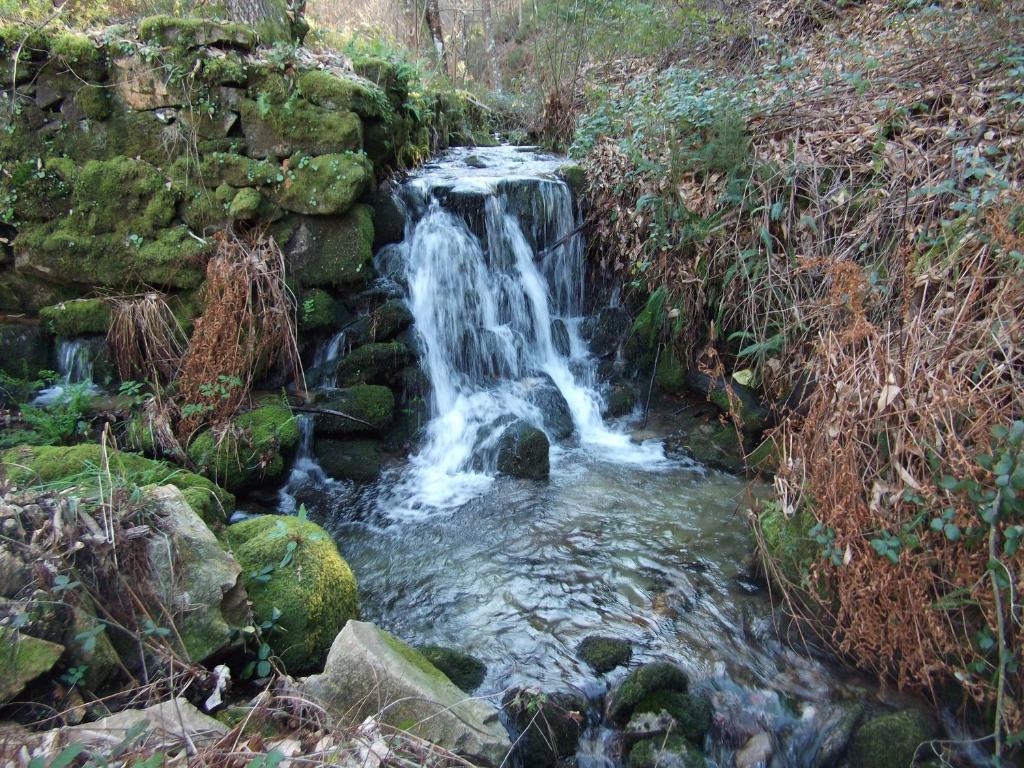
[74, 365]
[494, 263]
[327, 353]
[306, 471]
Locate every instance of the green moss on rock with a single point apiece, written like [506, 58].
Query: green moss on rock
[324, 185]
[467, 672]
[604, 654]
[333, 252]
[80, 463]
[250, 451]
[76, 318]
[22, 660]
[314, 589]
[356, 460]
[317, 310]
[788, 543]
[665, 751]
[371, 408]
[889, 741]
[191, 32]
[24, 349]
[692, 713]
[298, 125]
[372, 363]
[246, 205]
[641, 683]
[336, 92]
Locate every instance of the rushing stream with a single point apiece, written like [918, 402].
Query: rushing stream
[621, 541]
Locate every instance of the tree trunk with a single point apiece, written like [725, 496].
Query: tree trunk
[493, 65]
[269, 18]
[434, 24]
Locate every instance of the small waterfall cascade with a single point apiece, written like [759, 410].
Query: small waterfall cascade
[493, 266]
[306, 471]
[74, 364]
[325, 354]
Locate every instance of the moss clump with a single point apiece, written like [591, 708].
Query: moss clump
[414, 657]
[316, 310]
[336, 92]
[889, 741]
[641, 683]
[335, 252]
[465, 671]
[313, 588]
[670, 375]
[76, 318]
[664, 751]
[79, 464]
[236, 170]
[370, 406]
[224, 70]
[326, 185]
[249, 451]
[246, 205]
[604, 654]
[40, 194]
[386, 75]
[79, 54]
[280, 130]
[575, 177]
[691, 713]
[94, 101]
[22, 660]
[372, 363]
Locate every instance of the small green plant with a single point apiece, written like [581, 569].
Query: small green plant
[62, 420]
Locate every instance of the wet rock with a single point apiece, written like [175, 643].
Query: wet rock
[665, 752]
[691, 714]
[731, 397]
[382, 324]
[548, 725]
[553, 408]
[372, 364]
[356, 460]
[467, 672]
[193, 576]
[24, 349]
[889, 741]
[606, 329]
[643, 725]
[332, 251]
[22, 660]
[756, 752]
[604, 654]
[620, 401]
[712, 444]
[523, 452]
[388, 220]
[560, 337]
[837, 730]
[641, 683]
[366, 408]
[370, 672]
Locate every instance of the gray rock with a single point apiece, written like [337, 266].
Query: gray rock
[553, 408]
[560, 337]
[192, 575]
[370, 672]
[756, 752]
[165, 726]
[523, 452]
[388, 220]
[606, 329]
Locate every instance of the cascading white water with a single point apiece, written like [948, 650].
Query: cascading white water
[493, 264]
[306, 471]
[327, 353]
[74, 364]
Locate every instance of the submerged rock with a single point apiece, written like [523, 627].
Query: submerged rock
[196, 579]
[549, 725]
[356, 460]
[554, 410]
[309, 584]
[691, 714]
[467, 672]
[604, 654]
[370, 672]
[523, 452]
[665, 752]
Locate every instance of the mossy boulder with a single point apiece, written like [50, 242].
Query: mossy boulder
[665, 752]
[298, 125]
[620, 401]
[788, 543]
[80, 463]
[324, 185]
[250, 450]
[310, 584]
[340, 93]
[356, 460]
[381, 324]
[523, 452]
[22, 660]
[660, 676]
[246, 205]
[26, 293]
[372, 363]
[890, 741]
[24, 349]
[317, 310]
[76, 318]
[332, 252]
[575, 177]
[691, 713]
[603, 654]
[366, 408]
[467, 672]
[100, 659]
